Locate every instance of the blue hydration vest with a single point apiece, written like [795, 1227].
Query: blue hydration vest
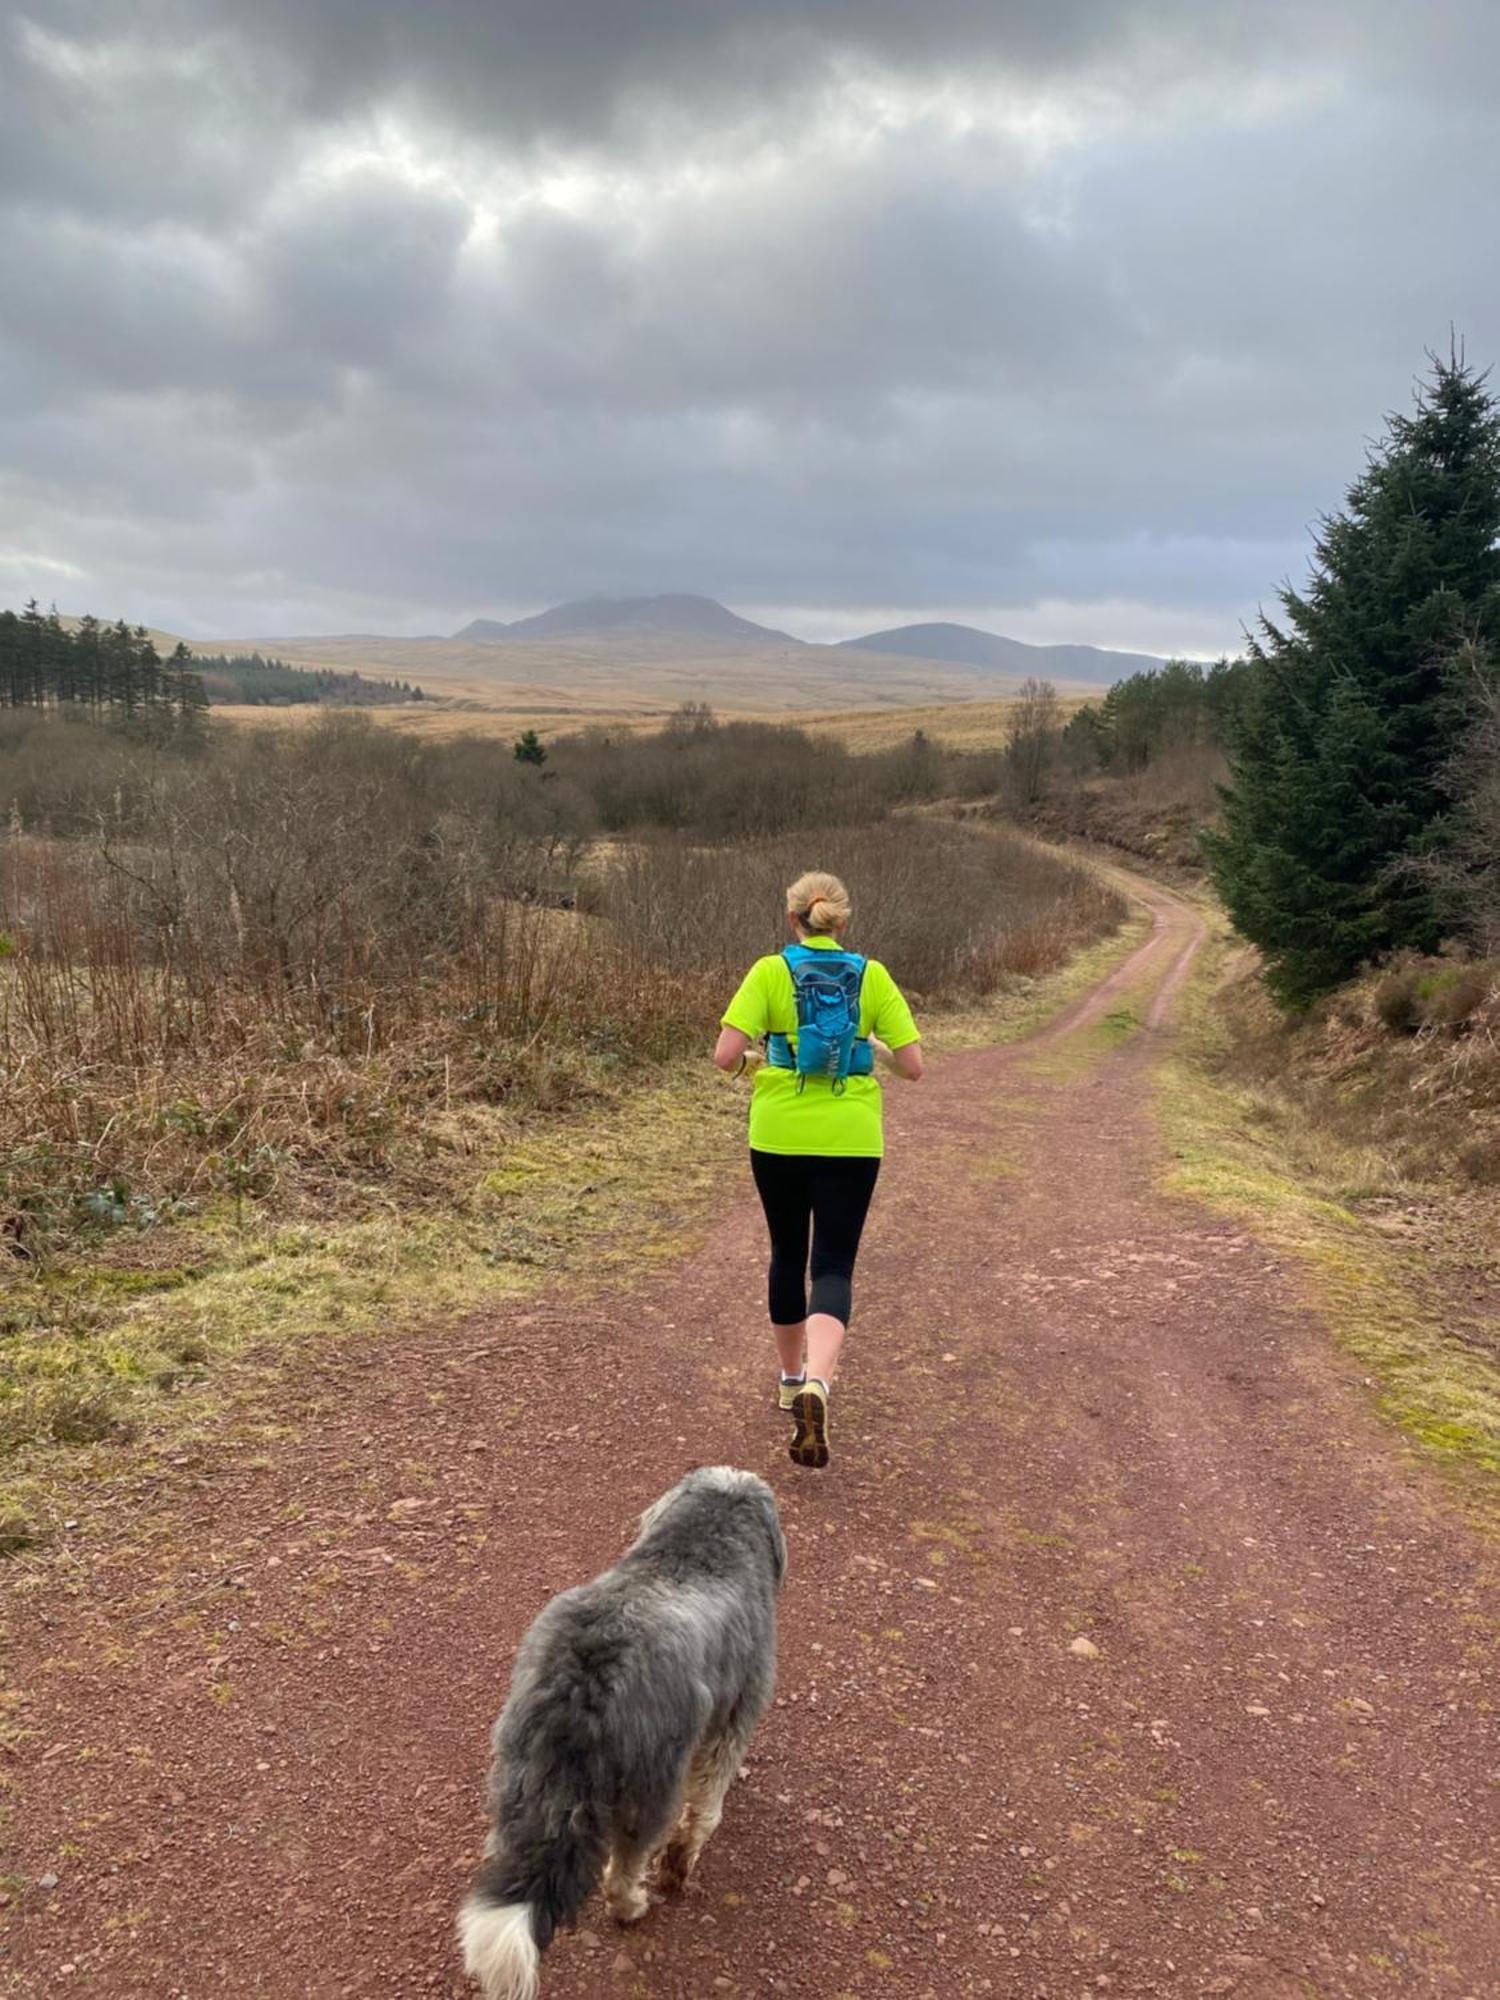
[827, 987]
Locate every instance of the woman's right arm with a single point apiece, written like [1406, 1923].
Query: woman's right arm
[731, 1048]
[743, 1020]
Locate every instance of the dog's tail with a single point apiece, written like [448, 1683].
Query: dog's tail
[500, 1948]
[536, 1879]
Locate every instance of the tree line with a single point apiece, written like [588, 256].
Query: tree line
[1179, 708]
[110, 671]
[253, 681]
[116, 672]
[1182, 704]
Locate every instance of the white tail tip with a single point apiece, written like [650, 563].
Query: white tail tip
[499, 1949]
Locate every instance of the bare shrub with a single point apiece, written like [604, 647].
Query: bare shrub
[250, 975]
[1442, 995]
[1397, 1003]
[1158, 809]
[1457, 999]
[1032, 742]
[951, 909]
[729, 781]
[253, 972]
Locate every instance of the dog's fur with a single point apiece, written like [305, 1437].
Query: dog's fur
[631, 1704]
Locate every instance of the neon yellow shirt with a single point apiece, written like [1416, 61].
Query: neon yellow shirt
[814, 1120]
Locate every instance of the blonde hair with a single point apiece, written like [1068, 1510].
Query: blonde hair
[819, 902]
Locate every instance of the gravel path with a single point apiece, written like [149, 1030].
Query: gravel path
[1123, 1653]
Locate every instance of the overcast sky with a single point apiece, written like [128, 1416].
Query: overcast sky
[1064, 317]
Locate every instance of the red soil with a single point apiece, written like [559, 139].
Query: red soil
[1071, 1410]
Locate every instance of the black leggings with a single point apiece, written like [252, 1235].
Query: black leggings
[831, 1194]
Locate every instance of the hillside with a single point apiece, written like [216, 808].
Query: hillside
[967, 645]
[164, 642]
[615, 657]
[636, 670]
[680, 615]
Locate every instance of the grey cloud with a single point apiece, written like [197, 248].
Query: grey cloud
[106, 113]
[573, 68]
[360, 271]
[577, 68]
[379, 315]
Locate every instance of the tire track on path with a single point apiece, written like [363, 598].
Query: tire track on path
[1073, 1411]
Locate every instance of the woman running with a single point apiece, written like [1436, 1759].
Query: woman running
[815, 1138]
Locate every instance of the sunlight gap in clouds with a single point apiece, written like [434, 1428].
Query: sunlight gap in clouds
[109, 63]
[859, 113]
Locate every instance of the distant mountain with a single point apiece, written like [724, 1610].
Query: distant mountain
[691, 617]
[966, 645]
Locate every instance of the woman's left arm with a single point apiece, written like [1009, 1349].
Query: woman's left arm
[904, 1062]
[893, 1024]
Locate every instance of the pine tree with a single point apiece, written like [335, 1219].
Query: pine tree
[90, 670]
[121, 680]
[1354, 710]
[33, 655]
[12, 661]
[529, 748]
[187, 695]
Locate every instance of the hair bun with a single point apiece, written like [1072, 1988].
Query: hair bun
[819, 901]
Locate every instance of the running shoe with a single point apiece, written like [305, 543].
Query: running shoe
[809, 1444]
[787, 1391]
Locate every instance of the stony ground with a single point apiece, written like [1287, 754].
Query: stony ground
[1123, 1653]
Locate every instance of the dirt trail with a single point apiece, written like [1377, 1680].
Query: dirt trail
[1072, 1410]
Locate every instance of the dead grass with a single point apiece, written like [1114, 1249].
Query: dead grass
[464, 707]
[965, 725]
[1157, 813]
[1028, 1003]
[1405, 1271]
[635, 672]
[1400, 1068]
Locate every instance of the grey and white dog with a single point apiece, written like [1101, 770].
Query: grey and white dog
[631, 1704]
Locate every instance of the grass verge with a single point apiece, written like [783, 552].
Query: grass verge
[225, 1306]
[1343, 1213]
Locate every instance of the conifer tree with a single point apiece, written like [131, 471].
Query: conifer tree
[187, 694]
[1354, 709]
[34, 650]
